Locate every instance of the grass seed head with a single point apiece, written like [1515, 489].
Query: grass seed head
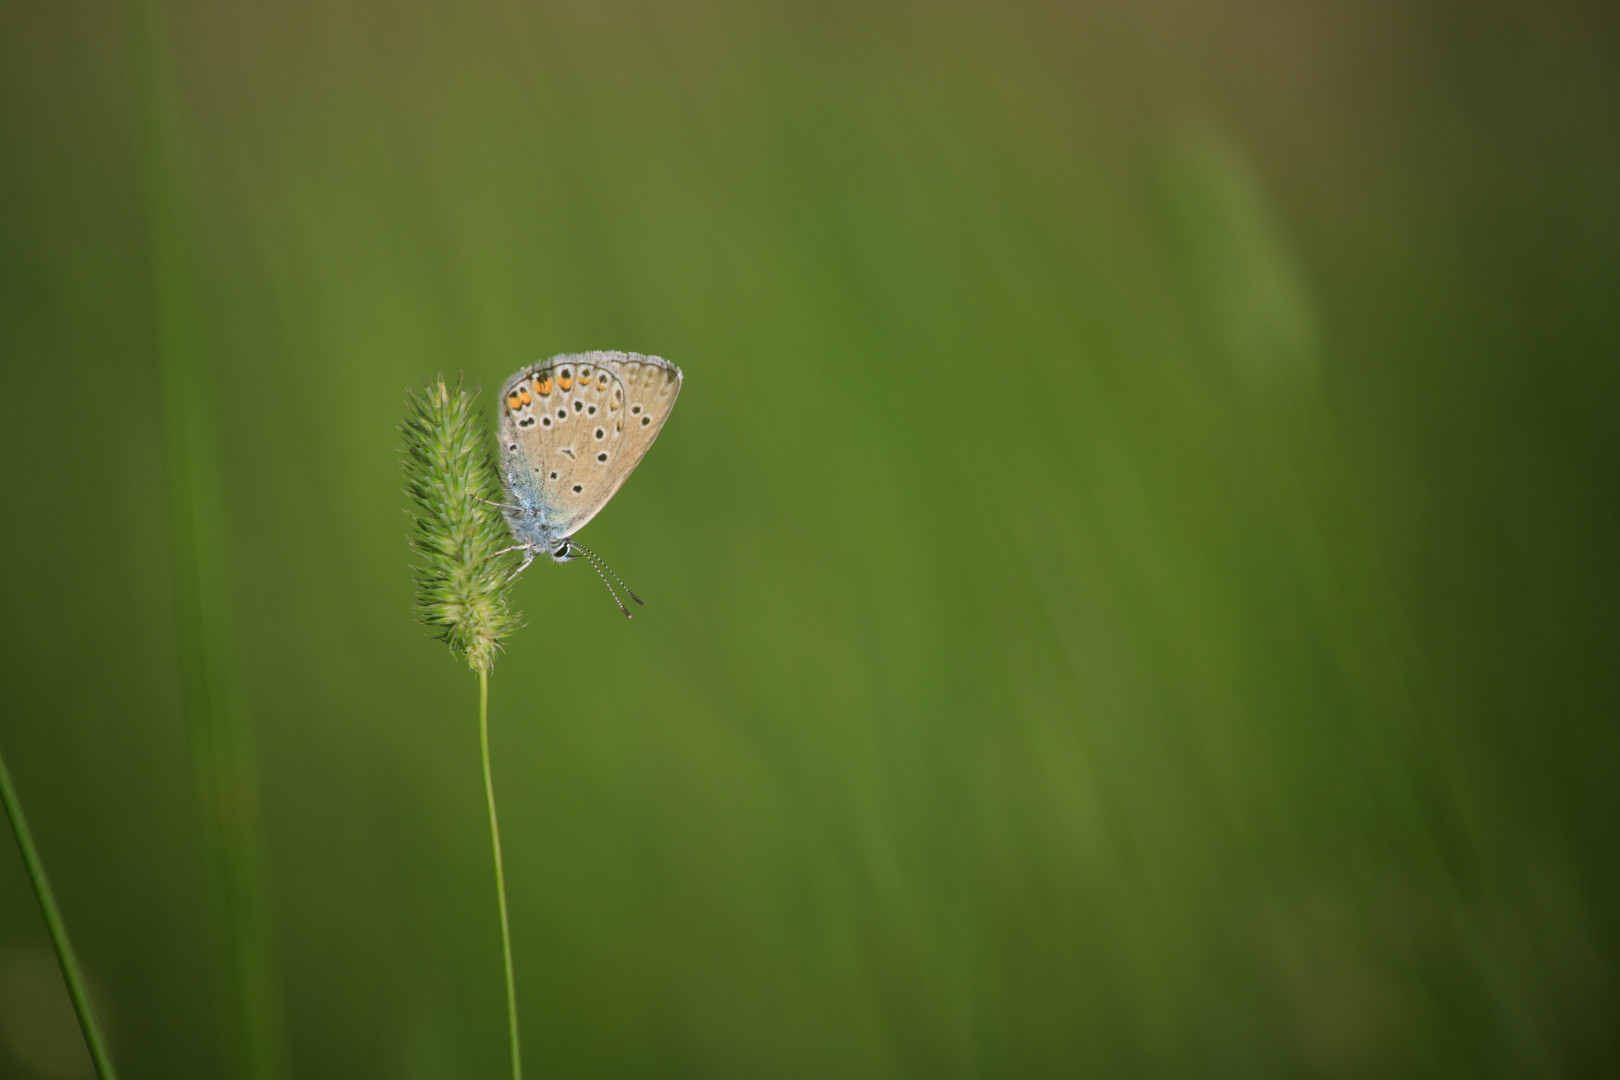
[452, 479]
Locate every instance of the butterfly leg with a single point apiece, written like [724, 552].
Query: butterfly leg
[528, 557]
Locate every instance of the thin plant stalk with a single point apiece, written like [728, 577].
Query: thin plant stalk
[64, 947]
[500, 873]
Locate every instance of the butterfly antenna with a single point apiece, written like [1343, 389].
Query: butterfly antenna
[595, 558]
[615, 595]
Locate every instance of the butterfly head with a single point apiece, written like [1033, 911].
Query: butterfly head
[565, 551]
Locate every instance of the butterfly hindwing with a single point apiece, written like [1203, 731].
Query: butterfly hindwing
[574, 427]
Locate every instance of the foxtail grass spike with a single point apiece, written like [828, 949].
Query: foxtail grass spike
[458, 532]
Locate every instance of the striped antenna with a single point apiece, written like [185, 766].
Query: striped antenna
[597, 559]
[599, 574]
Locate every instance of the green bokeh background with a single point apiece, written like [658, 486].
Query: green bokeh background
[1131, 577]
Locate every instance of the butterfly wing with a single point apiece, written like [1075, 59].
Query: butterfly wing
[574, 427]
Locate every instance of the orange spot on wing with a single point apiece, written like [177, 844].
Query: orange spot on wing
[543, 386]
[525, 392]
[514, 399]
[565, 382]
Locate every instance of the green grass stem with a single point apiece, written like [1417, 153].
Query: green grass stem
[64, 947]
[500, 873]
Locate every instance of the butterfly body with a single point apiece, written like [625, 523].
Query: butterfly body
[572, 429]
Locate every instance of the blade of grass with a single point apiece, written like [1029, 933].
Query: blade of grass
[59, 935]
[219, 750]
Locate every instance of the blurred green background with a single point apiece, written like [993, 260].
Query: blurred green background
[1131, 578]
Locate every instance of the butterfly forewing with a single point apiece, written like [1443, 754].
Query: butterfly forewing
[574, 427]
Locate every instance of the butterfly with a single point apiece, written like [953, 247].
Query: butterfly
[572, 430]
